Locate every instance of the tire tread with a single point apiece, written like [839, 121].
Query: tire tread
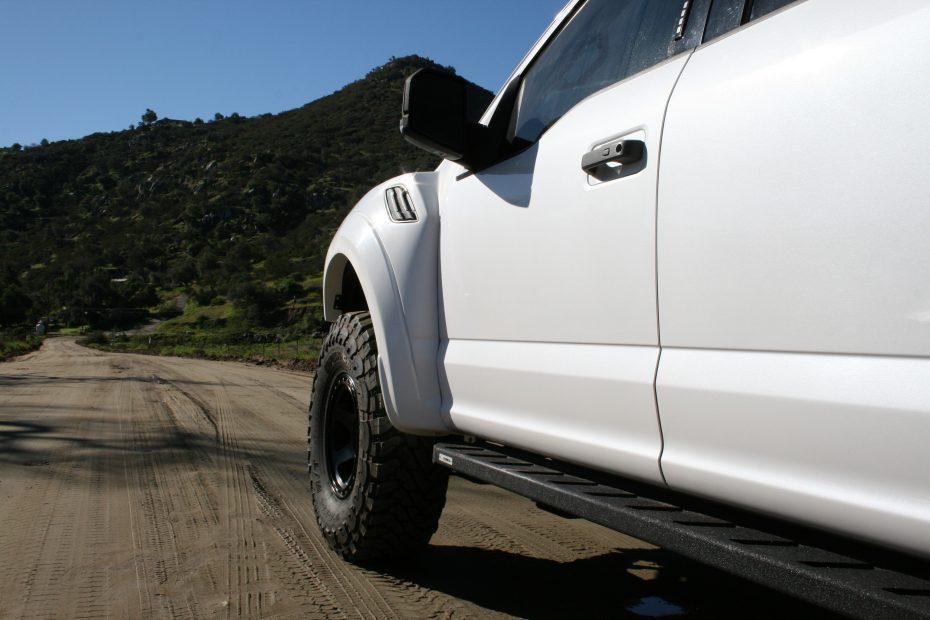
[399, 493]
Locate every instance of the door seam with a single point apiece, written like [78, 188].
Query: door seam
[655, 378]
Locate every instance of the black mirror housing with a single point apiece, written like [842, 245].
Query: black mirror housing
[441, 113]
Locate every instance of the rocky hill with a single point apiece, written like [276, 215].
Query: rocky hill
[233, 213]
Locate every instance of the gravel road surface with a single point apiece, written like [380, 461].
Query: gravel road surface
[135, 486]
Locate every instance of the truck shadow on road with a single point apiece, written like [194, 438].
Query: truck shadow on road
[625, 583]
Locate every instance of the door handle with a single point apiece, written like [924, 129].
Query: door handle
[619, 152]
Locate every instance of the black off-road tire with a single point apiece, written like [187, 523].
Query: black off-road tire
[387, 506]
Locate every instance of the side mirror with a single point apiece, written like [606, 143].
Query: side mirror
[441, 113]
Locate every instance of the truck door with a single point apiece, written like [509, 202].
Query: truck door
[794, 280]
[547, 269]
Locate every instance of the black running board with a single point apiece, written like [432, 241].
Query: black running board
[831, 580]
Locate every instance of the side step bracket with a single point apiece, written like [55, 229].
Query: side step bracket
[838, 582]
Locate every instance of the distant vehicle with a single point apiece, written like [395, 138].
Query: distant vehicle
[685, 250]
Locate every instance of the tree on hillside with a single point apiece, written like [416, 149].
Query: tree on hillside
[44, 142]
[257, 304]
[149, 117]
[218, 117]
[14, 305]
[16, 146]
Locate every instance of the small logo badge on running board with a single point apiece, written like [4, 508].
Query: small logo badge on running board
[445, 459]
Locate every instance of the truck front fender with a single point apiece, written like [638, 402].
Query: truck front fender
[396, 264]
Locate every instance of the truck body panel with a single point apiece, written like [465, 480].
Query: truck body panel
[521, 245]
[396, 264]
[794, 280]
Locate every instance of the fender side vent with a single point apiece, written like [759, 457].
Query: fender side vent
[400, 205]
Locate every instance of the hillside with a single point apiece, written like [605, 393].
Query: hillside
[233, 214]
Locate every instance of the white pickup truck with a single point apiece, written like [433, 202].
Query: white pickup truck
[682, 257]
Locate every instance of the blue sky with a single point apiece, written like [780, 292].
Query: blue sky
[73, 67]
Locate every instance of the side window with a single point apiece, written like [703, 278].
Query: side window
[605, 42]
[763, 7]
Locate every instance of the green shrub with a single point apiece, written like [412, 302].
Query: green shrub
[95, 338]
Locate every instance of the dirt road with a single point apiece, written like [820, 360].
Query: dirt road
[137, 486]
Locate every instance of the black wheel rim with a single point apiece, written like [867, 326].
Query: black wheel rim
[340, 436]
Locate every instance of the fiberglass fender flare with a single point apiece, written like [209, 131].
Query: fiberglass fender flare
[396, 265]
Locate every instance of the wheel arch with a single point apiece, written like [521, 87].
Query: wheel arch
[390, 269]
[342, 289]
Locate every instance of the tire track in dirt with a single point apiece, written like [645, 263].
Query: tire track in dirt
[338, 583]
[244, 565]
[407, 598]
[159, 555]
[305, 545]
[54, 520]
[401, 598]
[175, 490]
[336, 578]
